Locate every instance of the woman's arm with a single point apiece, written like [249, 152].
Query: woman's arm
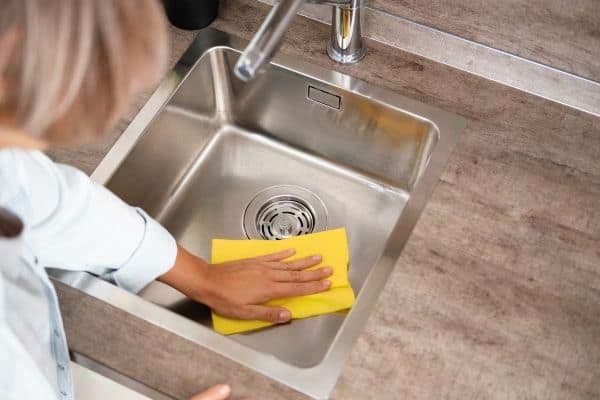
[73, 223]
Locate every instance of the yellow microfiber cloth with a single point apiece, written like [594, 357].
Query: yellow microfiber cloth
[332, 245]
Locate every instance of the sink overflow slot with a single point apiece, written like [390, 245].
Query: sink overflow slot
[325, 98]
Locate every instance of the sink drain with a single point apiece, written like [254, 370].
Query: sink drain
[284, 217]
[280, 212]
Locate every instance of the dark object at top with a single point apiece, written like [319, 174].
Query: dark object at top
[191, 14]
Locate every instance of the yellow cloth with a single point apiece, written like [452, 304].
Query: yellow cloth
[332, 245]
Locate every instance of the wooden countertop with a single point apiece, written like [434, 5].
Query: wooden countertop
[497, 293]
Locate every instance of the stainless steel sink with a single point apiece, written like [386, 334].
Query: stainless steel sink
[298, 149]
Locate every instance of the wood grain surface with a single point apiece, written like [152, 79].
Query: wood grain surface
[562, 33]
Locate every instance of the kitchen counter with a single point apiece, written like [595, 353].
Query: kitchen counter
[497, 293]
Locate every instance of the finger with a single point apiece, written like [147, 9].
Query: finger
[280, 255]
[301, 276]
[298, 265]
[288, 289]
[277, 315]
[217, 392]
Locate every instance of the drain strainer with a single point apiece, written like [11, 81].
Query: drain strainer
[280, 212]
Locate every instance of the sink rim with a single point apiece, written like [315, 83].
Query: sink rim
[317, 381]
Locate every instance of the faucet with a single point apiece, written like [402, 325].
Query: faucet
[345, 46]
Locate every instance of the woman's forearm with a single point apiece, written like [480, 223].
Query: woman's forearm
[240, 288]
[187, 275]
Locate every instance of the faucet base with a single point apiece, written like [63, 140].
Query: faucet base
[344, 57]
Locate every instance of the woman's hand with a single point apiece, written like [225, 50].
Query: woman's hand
[217, 392]
[238, 289]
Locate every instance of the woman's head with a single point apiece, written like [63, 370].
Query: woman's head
[71, 67]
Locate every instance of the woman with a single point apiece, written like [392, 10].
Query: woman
[68, 69]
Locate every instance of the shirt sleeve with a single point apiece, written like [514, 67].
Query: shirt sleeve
[75, 224]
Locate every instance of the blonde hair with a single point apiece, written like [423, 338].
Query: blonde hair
[77, 63]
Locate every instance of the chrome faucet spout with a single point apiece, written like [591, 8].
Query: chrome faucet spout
[345, 46]
[266, 41]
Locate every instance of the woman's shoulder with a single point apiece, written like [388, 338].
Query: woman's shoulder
[15, 154]
[15, 162]
[8, 171]
[22, 172]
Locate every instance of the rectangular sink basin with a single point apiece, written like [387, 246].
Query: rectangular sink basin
[300, 149]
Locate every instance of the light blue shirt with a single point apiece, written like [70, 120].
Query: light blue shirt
[69, 223]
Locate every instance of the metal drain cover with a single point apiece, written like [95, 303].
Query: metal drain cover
[280, 212]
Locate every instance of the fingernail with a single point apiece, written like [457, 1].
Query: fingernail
[224, 390]
[328, 271]
[284, 316]
[326, 283]
[315, 257]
